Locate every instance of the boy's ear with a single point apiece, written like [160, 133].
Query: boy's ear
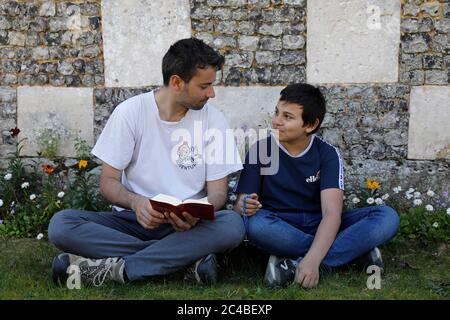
[311, 127]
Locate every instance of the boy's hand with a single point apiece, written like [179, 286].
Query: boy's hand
[307, 274]
[249, 204]
[180, 225]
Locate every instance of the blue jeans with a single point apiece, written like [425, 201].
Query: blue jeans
[146, 252]
[290, 235]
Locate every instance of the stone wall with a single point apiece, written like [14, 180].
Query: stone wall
[263, 41]
[383, 66]
[424, 57]
[51, 43]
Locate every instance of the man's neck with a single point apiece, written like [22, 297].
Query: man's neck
[168, 109]
[297, 147]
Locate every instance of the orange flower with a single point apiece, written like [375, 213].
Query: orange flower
[372, 184]
[82, 164]
[48, 169]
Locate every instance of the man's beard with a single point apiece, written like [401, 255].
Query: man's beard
[193, 106]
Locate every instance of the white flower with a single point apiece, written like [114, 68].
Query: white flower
[430, 193]
[429, 207]
[370, 200]
[32, 197]
[410, 190]
[8, 176]
[1, 203]
[435, 225]
[25, 185]
[448, 211]
[417, 202]
[356, 200]
[61, 194]
[409, 196]
[39, 236]
[385, 197]
[397, 189]
[417, 194]
[378, 201]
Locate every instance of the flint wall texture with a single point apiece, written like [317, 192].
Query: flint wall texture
[63, 44]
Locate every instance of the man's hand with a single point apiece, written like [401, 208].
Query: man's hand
[178, 224]
[248, 204]
[145, 214]
[307, 274]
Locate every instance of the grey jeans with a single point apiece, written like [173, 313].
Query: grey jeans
[146, 252]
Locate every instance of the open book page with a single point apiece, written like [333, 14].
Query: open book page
[201, 201]
[167, 199]
[175, 202]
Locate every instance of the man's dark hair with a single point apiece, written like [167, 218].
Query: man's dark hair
[185, 56]
[310, 98]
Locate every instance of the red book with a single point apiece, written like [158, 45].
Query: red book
[198, 208]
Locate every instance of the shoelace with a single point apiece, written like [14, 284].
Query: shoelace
[97, 274]
[101, 275]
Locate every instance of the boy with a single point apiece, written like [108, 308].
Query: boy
[296, 214]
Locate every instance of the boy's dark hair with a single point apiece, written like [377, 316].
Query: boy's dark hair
[185, 56]
[310, 98]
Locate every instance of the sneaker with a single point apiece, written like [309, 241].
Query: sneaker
[279, 271]
[92, 271]
[204, 271]
[371, 258]
[374, 258]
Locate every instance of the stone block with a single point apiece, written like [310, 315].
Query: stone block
[429, 137]
[68, 111]
[353, 42]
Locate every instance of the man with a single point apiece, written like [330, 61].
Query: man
[147, 149]
[296, 214]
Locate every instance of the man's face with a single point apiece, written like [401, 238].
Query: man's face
[199, 89]
[287, 119]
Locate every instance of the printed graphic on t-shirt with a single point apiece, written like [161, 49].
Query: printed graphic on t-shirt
[315, 178]
[188, 157]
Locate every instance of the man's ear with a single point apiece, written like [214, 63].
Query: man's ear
[176, 83]
[311, 127]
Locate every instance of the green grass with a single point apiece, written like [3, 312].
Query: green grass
[412, 273]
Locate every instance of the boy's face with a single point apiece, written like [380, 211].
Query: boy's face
[199, 89]
[287, 119]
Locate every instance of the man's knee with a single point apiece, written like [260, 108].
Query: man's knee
[232, 228]
[58, 227]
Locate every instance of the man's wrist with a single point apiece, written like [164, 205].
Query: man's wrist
[133, 199]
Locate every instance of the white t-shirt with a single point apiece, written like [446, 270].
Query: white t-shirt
[173, 158]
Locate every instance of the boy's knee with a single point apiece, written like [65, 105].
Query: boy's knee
[257, 227]
[391, 220]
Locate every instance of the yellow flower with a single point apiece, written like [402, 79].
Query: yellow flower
[82, 164]
[372, 184]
